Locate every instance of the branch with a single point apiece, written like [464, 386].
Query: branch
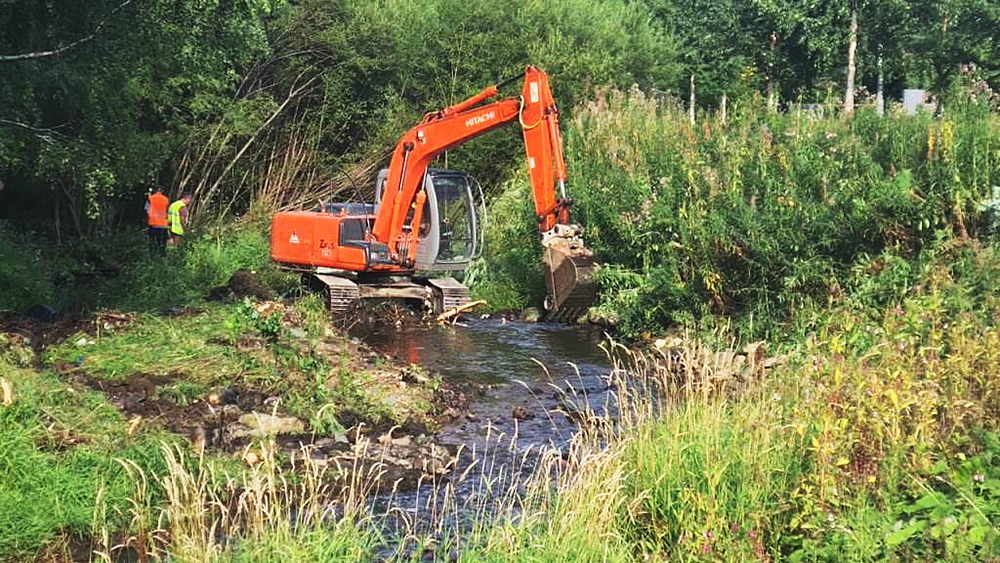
[252, 74]
[292, 94]
[41, 133]
[454, 311]
[60, 50]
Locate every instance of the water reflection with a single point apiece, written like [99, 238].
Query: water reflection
[524, 364]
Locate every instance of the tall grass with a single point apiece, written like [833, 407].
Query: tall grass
[768, 216]
[508, 275]
[58, 451]
[208, 258]
[119, 271]
[214, 512]
[870, 439]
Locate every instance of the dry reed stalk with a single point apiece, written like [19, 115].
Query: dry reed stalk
[193, 509]
[202, 197]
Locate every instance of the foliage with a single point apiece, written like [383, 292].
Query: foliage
[800, 50]
[243, 102]
[508, 276]
[394, 61]
[871, 435]
[769, 217]
[120, 271]
[22, 279]
[302, 371]
[952, 514]
[266, 324]
[96, 125]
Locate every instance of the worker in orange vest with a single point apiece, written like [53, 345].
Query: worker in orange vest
[156, 215]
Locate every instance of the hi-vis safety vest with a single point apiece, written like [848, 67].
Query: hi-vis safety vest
[157, 212]
[174, 214]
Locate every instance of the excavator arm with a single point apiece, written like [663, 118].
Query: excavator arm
[568, 262]
[453, 126]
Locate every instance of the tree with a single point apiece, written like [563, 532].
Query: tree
[98, 95]
[852, 47]
[384, 64]
[710, 42]
[63, 48]
[945, 34]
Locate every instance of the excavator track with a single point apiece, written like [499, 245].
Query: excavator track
[342, 292]
[442, 294]
[448, 294]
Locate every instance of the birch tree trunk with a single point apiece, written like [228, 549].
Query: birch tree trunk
[771, 102]
[852, 46]
[691, 103]
[880, 93]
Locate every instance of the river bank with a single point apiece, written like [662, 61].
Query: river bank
[157, 433]
[237, 378]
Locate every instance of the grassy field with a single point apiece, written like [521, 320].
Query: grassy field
[99, 406]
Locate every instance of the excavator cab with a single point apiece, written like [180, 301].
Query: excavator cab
[449, 228]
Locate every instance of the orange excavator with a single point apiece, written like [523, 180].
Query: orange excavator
[425, 220]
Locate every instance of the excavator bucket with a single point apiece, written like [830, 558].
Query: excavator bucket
[569, 268]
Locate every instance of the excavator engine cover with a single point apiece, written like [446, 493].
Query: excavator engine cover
[569, 268]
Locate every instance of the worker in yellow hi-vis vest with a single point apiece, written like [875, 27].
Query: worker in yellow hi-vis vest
[177, 214]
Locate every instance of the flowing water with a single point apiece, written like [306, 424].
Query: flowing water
[532, 379]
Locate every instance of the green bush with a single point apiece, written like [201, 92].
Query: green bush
[119, 272]
[768, 217]
[207, 260]
[509, 274]
[23, 273]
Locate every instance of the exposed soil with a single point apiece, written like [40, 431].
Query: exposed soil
[40, 333]
[241, 284]
[215, 423]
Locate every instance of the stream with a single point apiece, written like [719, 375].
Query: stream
[532, 376]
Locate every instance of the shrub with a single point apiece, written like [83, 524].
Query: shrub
[768, 216]
[509, 274]
[23, 279]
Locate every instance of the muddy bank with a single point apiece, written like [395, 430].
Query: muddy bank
[396, 443]
[238, 421]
